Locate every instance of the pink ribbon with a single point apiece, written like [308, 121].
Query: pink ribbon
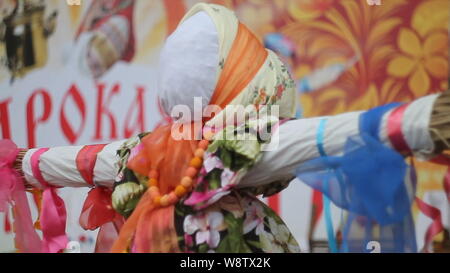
[434, 213]
[12, 193]
[53, 213]
[394, 130]
[435, 227]
[444, 160]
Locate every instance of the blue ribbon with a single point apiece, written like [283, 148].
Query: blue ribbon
[326, 201]
[368, 181]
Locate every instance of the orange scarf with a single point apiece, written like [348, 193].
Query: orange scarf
[152, 229]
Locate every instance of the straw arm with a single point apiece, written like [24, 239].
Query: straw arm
[425, 127]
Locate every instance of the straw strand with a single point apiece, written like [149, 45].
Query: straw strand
[440, 123]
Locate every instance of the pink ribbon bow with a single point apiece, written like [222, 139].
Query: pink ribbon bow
[12, 193]
[53, 213]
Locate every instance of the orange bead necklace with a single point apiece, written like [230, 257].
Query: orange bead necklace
[187, 182]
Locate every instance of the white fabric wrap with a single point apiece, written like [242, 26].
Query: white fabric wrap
[415, 124]
[188, 65]
[58, 166]
[297, 140]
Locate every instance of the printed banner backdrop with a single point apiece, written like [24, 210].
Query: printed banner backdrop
[79, 74]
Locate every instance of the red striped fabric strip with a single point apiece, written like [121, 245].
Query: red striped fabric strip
[86, 159]
[394, 130]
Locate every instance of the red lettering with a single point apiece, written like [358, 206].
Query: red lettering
[102, 109]
[138, 126]
[71, 134]
[33, 121]
[4, 119]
